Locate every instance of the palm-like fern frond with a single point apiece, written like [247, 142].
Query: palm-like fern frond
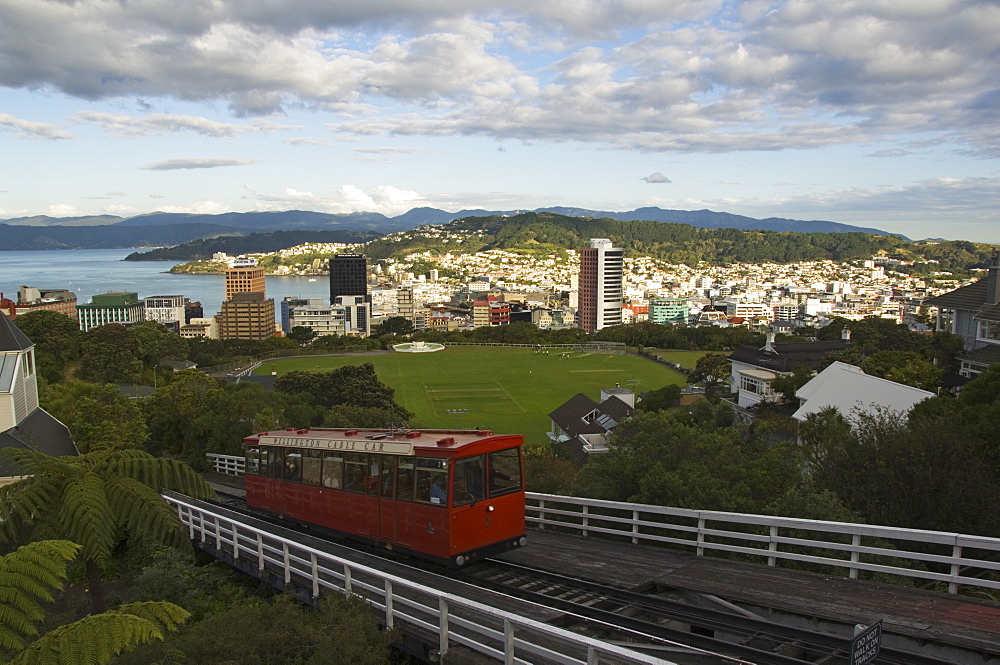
[85, 516]
[156, 472]
[96, 639]
[141, 509]
[27, 576]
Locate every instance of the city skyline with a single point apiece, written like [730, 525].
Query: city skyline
[866, 113]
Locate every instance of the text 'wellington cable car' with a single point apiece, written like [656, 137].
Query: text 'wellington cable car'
[450, 496]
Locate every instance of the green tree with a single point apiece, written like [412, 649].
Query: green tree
[666, 397]
[172, 410]
[154, 343]
[352, 385]
[109, 354]
[341, 630]
[713, 370]
[787, 385]
[27, 577]
[56, 338]
[662, 459]
[302, 335]
[99, 416]
[394, 325]
[95, 499]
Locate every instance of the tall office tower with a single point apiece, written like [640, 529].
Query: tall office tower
[601, 294]
[246, 316]
[404, 302]
[349, 276]
[244, 277]
[349, 288]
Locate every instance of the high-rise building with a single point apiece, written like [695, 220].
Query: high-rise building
[244, 276]
[349, 288]
[404, 302]
[246, 316]
[349, 276]
[122, 307]
[600, 289]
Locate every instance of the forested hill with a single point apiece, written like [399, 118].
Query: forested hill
[251, 244]
[676, 243]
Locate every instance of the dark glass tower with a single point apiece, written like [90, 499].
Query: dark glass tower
[349, 276]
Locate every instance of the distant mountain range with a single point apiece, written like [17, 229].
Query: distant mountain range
[166, 229]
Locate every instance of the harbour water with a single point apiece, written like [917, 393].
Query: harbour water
[87, 272]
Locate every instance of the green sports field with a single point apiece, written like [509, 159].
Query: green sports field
[502, 389]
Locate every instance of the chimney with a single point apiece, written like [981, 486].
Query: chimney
[769, 344]
[993, 281]
[845, 334]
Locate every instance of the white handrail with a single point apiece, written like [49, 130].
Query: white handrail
[942, 557]
[458, 621]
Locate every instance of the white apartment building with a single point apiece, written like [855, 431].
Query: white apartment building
[165, 309]
[323, 319]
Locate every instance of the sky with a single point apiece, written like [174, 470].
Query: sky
[880, 113]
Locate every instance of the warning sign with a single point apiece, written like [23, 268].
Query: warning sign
[865, 645]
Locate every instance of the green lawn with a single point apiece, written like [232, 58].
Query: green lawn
[502, 389]
[685, 359]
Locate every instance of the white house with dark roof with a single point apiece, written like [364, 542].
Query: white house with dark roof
[849, 390]
[24, 424]
[973, 311]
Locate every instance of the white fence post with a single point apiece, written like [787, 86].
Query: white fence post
[772, 545]
[635, 527]
[508, 642]
[700, 551]
[443, 626]
[956, 568]
[388, 603]
[855, 556]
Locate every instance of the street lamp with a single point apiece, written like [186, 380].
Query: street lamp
[456, 412]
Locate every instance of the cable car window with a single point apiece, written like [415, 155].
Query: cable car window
[371, 480]
[355, 471]
[432, 480]
[252, 461]
[275, 460]
[312, 463]
[293, 464]
[333, 470]
[505, 471]
[470, 476]
[387, 475]
[404, 478]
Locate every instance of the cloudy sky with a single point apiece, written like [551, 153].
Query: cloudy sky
[881, 113]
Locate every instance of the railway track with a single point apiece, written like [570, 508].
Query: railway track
[647, 622]
[657, 625]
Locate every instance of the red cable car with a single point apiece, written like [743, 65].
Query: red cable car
[449, 496]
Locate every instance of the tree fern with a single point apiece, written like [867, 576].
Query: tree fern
[96, 639]
[94, 499]
[27, 576]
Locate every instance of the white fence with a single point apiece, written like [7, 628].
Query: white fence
[507, 637]
[954, 559]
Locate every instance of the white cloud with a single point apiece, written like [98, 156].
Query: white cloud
[385, 199]
[195, 163]
[29, 129]
[656, 178]
[165, 123]
[62, 210]
[686, 76]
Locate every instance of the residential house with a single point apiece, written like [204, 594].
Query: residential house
[852, 392]
[580, 427]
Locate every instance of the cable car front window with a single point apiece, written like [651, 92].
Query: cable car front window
[470, 476]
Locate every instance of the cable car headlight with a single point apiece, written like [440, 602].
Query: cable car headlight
[489, 508]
